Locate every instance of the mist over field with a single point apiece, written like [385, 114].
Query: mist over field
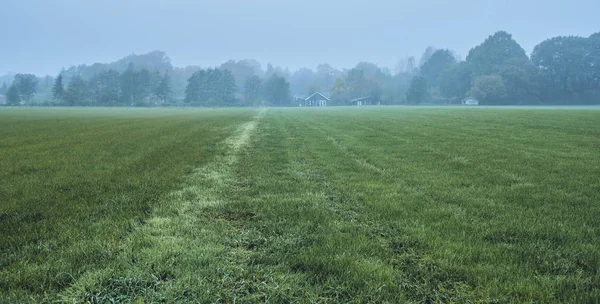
[310, 151]
[273, 53]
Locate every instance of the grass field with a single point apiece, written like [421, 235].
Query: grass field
[300, 205]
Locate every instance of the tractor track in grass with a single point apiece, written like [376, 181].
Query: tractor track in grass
[176, 234]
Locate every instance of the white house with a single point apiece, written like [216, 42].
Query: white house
[470, 102]
[315, 100]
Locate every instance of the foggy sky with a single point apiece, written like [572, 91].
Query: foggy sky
[41, 37]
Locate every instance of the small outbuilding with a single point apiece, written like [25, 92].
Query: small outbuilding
[315, 100]
[363, 101]
[470, 102]
[299, 100]
[2, 99]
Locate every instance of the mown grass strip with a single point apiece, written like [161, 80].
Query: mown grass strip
[168, 256]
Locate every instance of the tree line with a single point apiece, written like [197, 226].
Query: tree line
[134, 87]
[560, 70]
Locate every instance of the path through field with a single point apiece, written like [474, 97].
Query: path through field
[174, 240]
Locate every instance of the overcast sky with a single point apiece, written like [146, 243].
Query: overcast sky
[40, 36]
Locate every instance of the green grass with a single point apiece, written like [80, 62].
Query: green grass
[301, 205]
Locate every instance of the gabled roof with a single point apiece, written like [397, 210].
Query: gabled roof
[316, 93]
[360, 99]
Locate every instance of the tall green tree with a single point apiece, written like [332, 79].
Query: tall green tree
[277, 91]
[13, 97]
[522, 80]
[27, 86]
[195, 91]
[418, 91]
[4, 88]
[439, 61]
[426, 55]
[163, 90]
[302, 80]
[455, 81]
[104, 88]
[594, 47]
[212, 87]
[76, 93]
[58, 90]
[325, 75]
[488, 57]
[142, 86]
[241, 70]
[128, 85]
[489, 90]
[226, 87]
[357, 83]
[339, 91]
[569, 65]
[252, 90]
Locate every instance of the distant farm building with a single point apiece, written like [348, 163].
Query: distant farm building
[2, 99]
[470, 102]
[315, 100]
[363, 101]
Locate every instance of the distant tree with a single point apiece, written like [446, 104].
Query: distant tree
[136, 86]
[455, 81]
[488, 57]
[439, 61]
[489, 89]
[241, 70]
[570, 65]
[163, 90]
[522, 81]
[128, 83]
[375, 93]
[179, 79]
[27, 86]
[325, 75]
[426, 55]
[104, 88]
[142, 86]
[357, 83]
[406, 66]
[370, 70]
[44, 88]
[4, 88]
[418, 92]
[276, 70]
[13, 97]
[594, 54]
[339, 91]
[212, 87]
[277, 91]
[195, 90]
[76, 93]
[302, 80]
[226, 87]
[313, 89]
[58, 90]
[153, 61]
[252, 89]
